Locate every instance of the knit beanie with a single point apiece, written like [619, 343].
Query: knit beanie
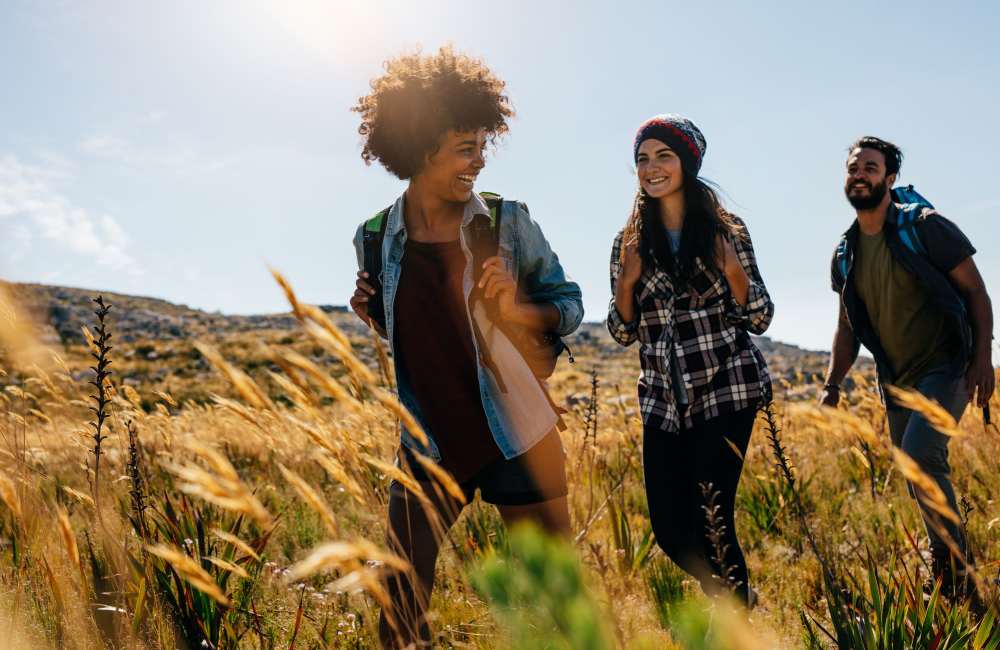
[678, 133]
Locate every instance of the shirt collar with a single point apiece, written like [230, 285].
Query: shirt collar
[890, 222]
[475, 205]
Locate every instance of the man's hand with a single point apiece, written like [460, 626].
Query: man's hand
[830, 396]
[359, 301]
[980, 379]
[498, 282]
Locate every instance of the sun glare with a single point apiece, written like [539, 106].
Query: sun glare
[341, 31]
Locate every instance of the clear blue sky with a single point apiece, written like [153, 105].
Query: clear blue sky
[174, 149]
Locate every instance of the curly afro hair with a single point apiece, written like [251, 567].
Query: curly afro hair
[419, 99]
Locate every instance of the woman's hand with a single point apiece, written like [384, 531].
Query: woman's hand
[631, 269]
[726, 255]
[497, 282]
[628, 277]
[359, 301]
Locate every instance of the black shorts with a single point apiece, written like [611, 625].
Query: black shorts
[537, 475]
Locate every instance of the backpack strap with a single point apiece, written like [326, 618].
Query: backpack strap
[911, 207]
[907, 217]
[372, 238]
[484, 240]
[495, 203]
[842, 262]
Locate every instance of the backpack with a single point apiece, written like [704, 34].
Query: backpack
[911, 207]
[540, 350]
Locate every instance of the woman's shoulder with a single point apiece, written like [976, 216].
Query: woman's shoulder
[737, 226]
[616, 243]
[733, 219]
[518, 210]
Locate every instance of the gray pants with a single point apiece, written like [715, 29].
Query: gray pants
[929, 448]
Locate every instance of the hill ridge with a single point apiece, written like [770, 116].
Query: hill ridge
[61, 311]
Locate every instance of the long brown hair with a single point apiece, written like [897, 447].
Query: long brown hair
[704, 219]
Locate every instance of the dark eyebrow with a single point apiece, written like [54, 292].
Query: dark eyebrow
[662, 149]
[465, 142]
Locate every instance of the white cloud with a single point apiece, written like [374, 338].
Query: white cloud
[180, 157]
[36, 209]
[106, 146]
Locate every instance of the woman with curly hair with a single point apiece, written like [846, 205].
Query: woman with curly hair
[456, 318]
[686, 286]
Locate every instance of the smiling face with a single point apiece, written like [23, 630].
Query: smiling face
[659, 169]
[867, 182]
[450, 172]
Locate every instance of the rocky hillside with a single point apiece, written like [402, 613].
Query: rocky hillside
[155, 341]
[62, 311]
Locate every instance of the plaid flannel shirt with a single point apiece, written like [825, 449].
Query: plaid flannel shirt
[707, 330]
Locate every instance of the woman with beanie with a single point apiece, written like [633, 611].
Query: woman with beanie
[686, 286]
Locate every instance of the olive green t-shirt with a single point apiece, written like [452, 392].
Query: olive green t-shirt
[914, 333]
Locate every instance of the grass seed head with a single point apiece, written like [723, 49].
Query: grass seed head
[190, 571]
[69, 539]
[237, 542]
[927, 488]
[344, 555]
[311, 497]
[931, 411]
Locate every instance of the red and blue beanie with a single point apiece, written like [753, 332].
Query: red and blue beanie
[678, 133]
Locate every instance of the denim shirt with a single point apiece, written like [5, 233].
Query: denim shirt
[539, 276]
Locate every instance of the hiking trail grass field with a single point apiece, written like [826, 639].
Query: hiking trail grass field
[232, 493]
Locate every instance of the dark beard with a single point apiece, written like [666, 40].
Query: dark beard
[875, 195]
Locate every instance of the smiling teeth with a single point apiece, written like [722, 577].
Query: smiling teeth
[467, 179]
[657, 180]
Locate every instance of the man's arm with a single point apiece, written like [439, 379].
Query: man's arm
[979, 378]
[842, 357]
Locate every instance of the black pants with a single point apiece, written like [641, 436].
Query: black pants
[676, 465]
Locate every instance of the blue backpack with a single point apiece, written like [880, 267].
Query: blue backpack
[911, 207]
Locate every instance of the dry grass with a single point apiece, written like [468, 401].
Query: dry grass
[267, 503]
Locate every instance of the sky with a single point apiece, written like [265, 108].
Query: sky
[177, 149]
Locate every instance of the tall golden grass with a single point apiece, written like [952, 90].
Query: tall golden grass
[266, 503]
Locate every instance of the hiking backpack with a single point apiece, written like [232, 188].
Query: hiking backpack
[540, 349]
[911, 207]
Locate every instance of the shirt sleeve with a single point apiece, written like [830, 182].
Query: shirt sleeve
[755, 316]
[623, 333]
[544, 277]
[946, 244]
[836, 279]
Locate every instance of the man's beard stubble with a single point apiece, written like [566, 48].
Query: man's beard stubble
[875, 195]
